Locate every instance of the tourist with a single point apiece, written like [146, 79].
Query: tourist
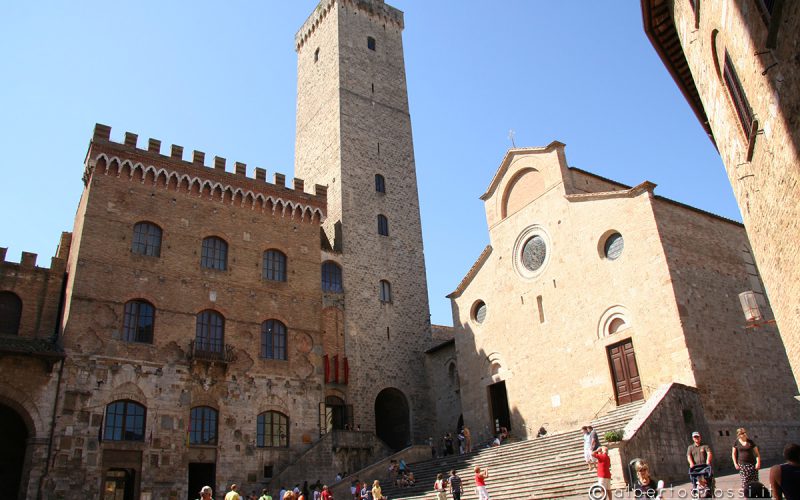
[746, 457]
[433, 448]
[440, 487]
[206, 493]
[326, 494]
[697, 454]
[480, 482]
[461, 440]
[233, 494]
[603, 467]
[366, 493]
[281, 493]
[448, 444]
[587, 448]
[376, 491]
[354, 490]
[317, 492]
[644, 486]
[785, 478]
[265, 495]
[455, 485]
[410, 480]
[467, 440]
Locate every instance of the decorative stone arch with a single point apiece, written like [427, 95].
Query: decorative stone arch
[20, 403]
[393, 418]
[273, 402]
[526, 185]
[496, 367]
[614, 320]
[127, 390]
[451, 367]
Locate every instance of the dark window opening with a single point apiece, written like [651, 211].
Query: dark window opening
[385, 291]
[380, 183]
[273, 339]
[124, 421]
[215, 254]
[331, 277]
[138, 322]
[274, 266]
[383, 225]
[743, 110]
[203, 426]
[370, 43]
[10, 313]
[316, 55]
[209, 331]
[272, 430]
[146, 239]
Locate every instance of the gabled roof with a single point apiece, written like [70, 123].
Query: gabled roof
[507, 162]
[471, 273]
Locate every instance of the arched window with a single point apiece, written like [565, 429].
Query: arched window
[385, 291]
[209, 331]
[274, 266]
[146, 239]
[273, 339]
[331, 277]
[10, 313]
[380, 183]
[124, 421]
[203, 425]
[273, 430]
[138, 323]
[383, 225]
[215, 253]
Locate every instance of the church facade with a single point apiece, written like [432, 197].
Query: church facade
[593, 294]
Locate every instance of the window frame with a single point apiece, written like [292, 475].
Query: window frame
[275, 427]
[385, 292]
[147, 237]
[119, 426]
[332, 282]
[204, 325]
[132, 332]
[274, 343]
[383, 225]
[273, 265]
[202, 434]
[380, 184]
[741, 105]
[210, 257]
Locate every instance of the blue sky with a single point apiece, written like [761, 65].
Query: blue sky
[220, 77]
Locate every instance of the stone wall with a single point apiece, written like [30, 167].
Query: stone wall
[763, 167]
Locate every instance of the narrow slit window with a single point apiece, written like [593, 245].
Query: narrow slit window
[540, 306]
[743, 110]
[370, 43]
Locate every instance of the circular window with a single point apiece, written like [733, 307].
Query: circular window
[533, 253]
[479, 311]
[613, 246]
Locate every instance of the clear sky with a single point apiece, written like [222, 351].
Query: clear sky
[220, 77]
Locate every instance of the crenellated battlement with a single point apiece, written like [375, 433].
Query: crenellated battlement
[27, 261]
[172, 171]
[376, 8]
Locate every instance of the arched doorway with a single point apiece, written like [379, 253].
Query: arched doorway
[335, 413]
[14, 436]
[392, 418]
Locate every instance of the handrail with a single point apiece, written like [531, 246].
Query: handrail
[203, 351]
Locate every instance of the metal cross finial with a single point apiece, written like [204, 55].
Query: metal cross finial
[511, 135]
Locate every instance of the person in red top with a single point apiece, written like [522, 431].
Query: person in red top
[480, 482]
[326, 494]
[603, 467]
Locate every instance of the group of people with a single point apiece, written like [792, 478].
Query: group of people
[455, 486]
[463, 439]
[784, 478]
[400, 474]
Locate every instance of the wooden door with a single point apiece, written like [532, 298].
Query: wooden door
[625, 373]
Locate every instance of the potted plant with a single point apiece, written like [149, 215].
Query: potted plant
[613, 438]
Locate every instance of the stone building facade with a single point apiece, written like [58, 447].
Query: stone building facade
[354, 136]
[736, 62]
[30, 357]
[592, 294]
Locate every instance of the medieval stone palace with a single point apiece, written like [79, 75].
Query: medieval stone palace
[204, 323]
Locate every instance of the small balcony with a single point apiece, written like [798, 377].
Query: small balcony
[211, 352]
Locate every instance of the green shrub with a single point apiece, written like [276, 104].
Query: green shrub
[613, 436]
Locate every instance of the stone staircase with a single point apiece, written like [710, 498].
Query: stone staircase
[539, 468]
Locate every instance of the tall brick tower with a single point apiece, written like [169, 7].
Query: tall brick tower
[354, 136]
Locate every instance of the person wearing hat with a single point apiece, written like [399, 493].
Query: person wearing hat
[698, 454]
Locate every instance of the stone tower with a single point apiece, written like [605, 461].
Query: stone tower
[354, 136]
